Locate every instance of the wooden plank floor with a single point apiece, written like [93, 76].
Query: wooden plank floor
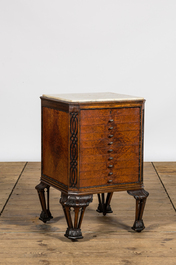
[24, 239]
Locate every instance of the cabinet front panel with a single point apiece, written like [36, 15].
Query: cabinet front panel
[110, 143]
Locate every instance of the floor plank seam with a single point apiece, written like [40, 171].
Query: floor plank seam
[163, 185]
[13, 188]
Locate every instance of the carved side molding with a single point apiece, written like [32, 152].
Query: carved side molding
[73, 148]
[76, 201]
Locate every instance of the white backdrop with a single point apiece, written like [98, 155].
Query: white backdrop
[66, 46]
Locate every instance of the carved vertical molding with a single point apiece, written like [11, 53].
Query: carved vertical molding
[142, 144]
[73, 149]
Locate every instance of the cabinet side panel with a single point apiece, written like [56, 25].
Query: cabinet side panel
[55, 144]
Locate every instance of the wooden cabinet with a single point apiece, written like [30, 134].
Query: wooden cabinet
[92, 144]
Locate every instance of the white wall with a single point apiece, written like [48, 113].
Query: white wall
[56, 46]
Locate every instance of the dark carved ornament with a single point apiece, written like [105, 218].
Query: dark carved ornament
[76, 201]
[139, 194]
[79, 204]
[73, 148]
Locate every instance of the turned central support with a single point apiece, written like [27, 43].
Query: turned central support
[104, 207]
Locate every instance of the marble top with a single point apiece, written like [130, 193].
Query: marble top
[92, 97]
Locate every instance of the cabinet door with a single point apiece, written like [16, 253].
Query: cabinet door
[110, 142]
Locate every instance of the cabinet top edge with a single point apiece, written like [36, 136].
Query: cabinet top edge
[82, 98]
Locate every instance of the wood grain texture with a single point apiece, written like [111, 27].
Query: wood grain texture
[64, 148]
[130, 134]
[55, 144]
[124, 115]
[76, 139]
[97, 178]
[25, 240]
[54, 104]
[112, 111]
[105, 163]
[124, 153]
[111, 105]
[103, 128]
[116, 174]
[118, 139]
[110, 134]
[167, 174]
[9, 174]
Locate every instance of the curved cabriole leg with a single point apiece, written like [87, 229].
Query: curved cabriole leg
[45, 214]
[104, 207]
[79, 204]
[140, 196]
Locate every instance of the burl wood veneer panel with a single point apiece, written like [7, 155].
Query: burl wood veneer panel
[55, 144]
[109, 146]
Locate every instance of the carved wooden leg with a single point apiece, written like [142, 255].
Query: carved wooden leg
[79, 204]
[140, 196]
[104, 207]
[45, 214]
